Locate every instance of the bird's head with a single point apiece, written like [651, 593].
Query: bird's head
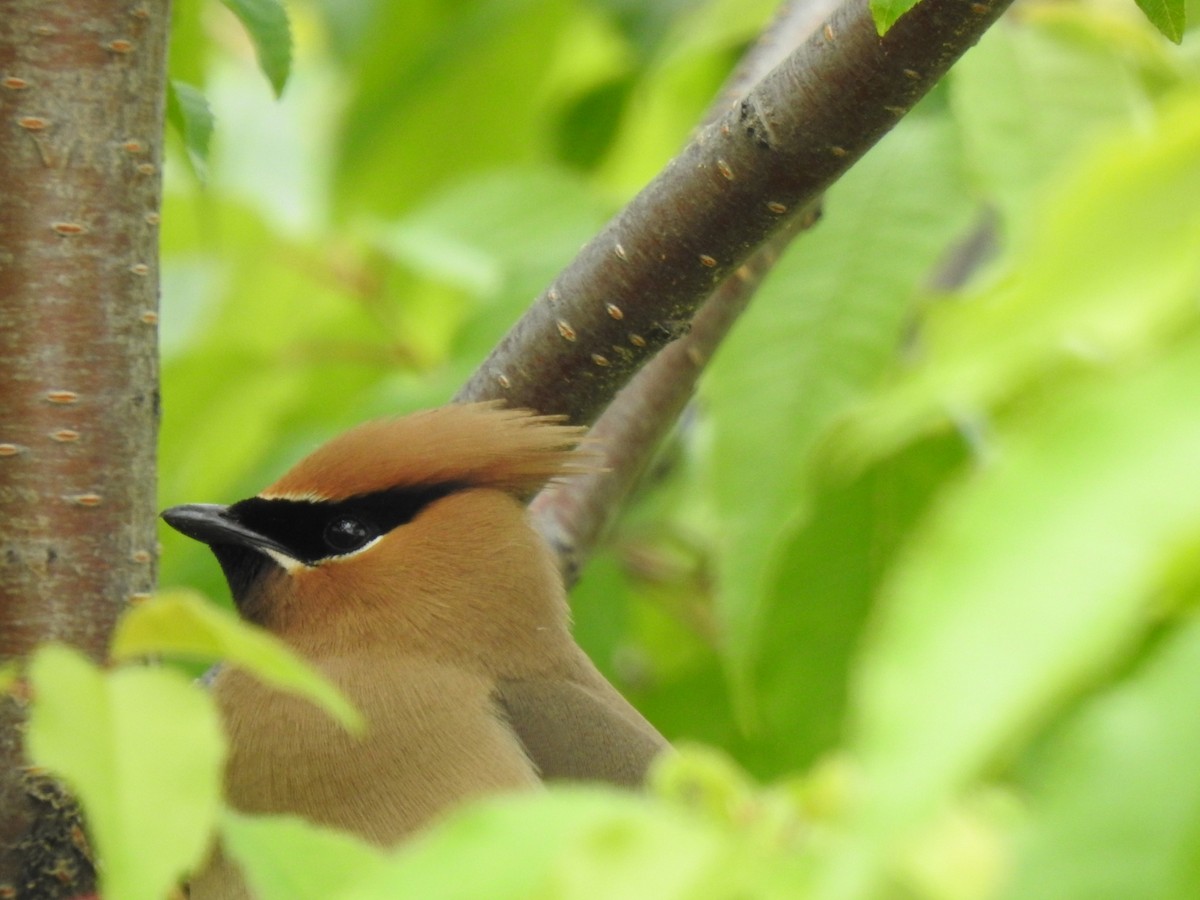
[410, 530]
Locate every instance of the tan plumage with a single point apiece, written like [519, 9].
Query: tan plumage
[450, 630]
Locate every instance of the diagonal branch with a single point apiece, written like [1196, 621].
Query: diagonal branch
[574, 513]
[637, 285]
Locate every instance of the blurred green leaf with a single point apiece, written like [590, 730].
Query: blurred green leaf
[465, 234]
[1116, 802]
[266, 21]
[8, 676]
[188, 44]
[142, 749]
[247, 399]
[276, 337]
[1111, 267]
[587, 128]
[183, 624]
[819, 603]
[600, 612]
[445, 89]
[1029, 101]
[817, 337]
[965, 853]
[568, 843]
[464, 238]
[704, 780]
[1030, 578]
[285, 858]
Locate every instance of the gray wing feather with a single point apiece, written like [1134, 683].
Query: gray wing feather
[579, 732]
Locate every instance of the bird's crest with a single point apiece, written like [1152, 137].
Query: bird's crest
[476, 444]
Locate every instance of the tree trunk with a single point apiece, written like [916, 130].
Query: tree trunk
[81, 125]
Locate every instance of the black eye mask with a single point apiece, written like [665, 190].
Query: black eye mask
[313, 530]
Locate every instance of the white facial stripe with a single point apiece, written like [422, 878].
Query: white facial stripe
[353, 553]
[292, 566]
[287, 563]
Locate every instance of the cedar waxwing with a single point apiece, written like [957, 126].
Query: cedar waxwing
[399, 560]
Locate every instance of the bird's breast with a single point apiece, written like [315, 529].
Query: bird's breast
[433, 741]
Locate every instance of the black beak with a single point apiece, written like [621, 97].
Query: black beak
[210, 523]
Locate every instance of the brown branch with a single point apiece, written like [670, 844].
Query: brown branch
[573, 514]
[81, 123]
[636, 286]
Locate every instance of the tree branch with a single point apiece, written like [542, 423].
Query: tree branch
[574, 513]
[636, 285]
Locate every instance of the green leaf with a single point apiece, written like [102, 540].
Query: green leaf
[285, 858]
[588, 127]
[819, 605]
[189, 43]
[704, 780]
[570, 843]
[1116, 804]
[1168, 16]
[1110, 268]
[187, 110]
[183, 624]
[142, 749]
[1030, 102]
[886, 12]
[266, 21]
[429, 73]
[566, 843]
[1029, 581]
[463, 235]
[816, 339]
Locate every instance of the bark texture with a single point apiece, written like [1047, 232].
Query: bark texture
[574, 513]
[636, 285]
[81, 124]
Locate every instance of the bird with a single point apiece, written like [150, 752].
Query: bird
[399, 560]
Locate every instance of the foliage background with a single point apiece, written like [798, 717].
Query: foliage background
[924, 548]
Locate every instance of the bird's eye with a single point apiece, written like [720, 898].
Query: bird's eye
[345, 534]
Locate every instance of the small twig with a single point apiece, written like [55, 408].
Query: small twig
[573, 514]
